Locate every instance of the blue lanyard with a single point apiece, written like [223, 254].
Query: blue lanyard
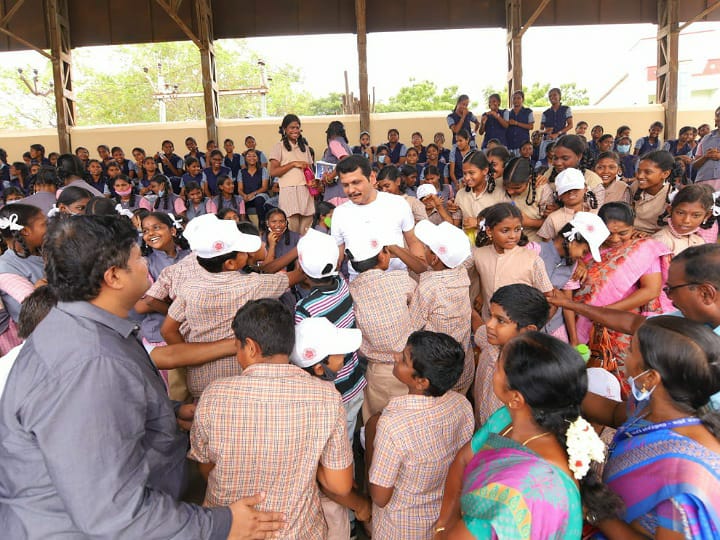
[672, 424]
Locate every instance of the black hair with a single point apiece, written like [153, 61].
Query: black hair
[525, 305]
[702, 263]
[493, 215]
[322, 208]
[619, 131]
[657, 124]
[354, 162]
[412, 149]
[393, 130]
[73, 194]
[464, 133]
[69, 165]
[408, 170]
[192, 186]
[215, 152]
[609, 155]
[392, 173]
[519, 170]
[247, 227]
[215, 265]
[80, 250]
[686, 354]
[461, 97]
[34, 309]
[46, 176]
[552, 378]
[286, 234]
[223, 212]
[494, 141]
[112, 163]
[617, 211]
[167, 188]
[606, 137]
[555, 90]
[577, 146]
[665, 162]
[591, 199]
[500, 152]
[438, 358]
[268, 323]
[24, 215]
[286, 121]
[165, 219]
[480, 160]
[694, 193]
[141, 213]
[190, 160]
[22, 169]
[336, 129]
[118, 198]
[233, 199]
[582, 123]
[138, 149]
[12, 190]
[433, 170]
[101, 206]
[364, 265]
[38, 148]
[3, 155]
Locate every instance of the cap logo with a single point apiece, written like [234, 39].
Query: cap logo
[373, 244]
[442, 250]
[219, 245]
[590, 228]
[309, 353]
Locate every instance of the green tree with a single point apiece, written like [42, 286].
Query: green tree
[420, 96]
[536, 95]
[20, 108]
[328, 105]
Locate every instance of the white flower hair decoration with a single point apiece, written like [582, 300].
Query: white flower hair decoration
[11, 222]
[583, 446]
[123, 211]
[571, 235]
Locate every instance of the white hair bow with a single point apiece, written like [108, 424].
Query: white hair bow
[54, 211]
[716, 206]
[123, 211]
[481, 225]
[672, 194]
[11, 223]
[571, 235]
[175, 221]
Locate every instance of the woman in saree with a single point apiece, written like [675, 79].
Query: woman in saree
[629, 277]
[664, 461]
[522, 475]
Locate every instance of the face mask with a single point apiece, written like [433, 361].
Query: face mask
[327, 221]
[623, 148]
[328, 374]
[151, 197]
[124, 192]
[161, 193]
[381, 159]
[640, 395]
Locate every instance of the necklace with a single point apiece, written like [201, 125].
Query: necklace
[531, 439]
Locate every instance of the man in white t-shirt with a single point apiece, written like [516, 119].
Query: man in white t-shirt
[369, 208]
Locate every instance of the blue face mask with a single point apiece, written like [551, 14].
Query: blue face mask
[623, 148]
[638, 394]
[161, 193]
[381, 159]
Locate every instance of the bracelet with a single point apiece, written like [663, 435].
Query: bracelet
[439, 529]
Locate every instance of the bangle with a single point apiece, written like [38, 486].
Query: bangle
[439, 529]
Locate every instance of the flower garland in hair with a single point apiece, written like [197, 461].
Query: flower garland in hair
[583, 446]
[54, 211]
[481, 225]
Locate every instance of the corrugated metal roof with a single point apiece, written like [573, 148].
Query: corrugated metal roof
[115, 22]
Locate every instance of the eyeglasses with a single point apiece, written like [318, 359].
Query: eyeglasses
[667, 289]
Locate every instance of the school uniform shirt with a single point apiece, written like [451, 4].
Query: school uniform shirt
[187, 178]
[435, 217]
[711, 168]
[166, 284]
[212, 178]
[235, 202]
[592, 181]
[486, 402]
[334, 302]
[649, 208]
[91, 446]
[83, 184]
[396, 152]
[618, 191]
[453, 118]
[294, 197]
[266, 430]
[677, 242]
[471, 204]
[172, 204]
[532, 211]
[556, 119]
[177, 161]
[417, 207]
[517, 265]
[206, 206]
[157, 261]
[494, 130]
[382, 313]
[29, 269]
[417, 440]
[643, 145]
[555, 222]
[235, 164]
[205, 309]
[388, 213]
[200, 156]
[43, 200]
[516, 136]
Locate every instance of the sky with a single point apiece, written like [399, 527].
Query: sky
[472, 59]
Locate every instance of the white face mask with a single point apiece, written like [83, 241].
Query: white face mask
[623, 148]
[638, 394]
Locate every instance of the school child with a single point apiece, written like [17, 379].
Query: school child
[436, 208]
[514, 309]
[72, 201]
[390, 180]
[22, 228]
[651, 142]
[692, 209]
[232, 160]
[437, 177]
[584, 234]
[417, 437]
[251, 144]
[573, 197]
[44, 189]
[609, 168]
[112, 170]
[197, 204]
[568, 152]
[169, 162]
[126, 167]
[194, 151]
[502, 258]
[193, 173]
[322, 219]
[273, 429]
[279, 241]
[124, 195]
[526, 151]
[457, 158]
[322, 349]
[479, 191]
[651, 189]
[96, 176]
[203, 307]
[498, 157]
[12, 194]
[520, 185]
[161, 197]
[151, 170]
[493, 124]
[441, 302]
[213, 172]
[412, 160]
[382, 313]
[252, 185]
[226, 197]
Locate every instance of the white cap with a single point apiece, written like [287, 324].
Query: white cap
[446, 241]
[603, 383]
[592, 229]
[424, 190]
[211, 237]
[365, 244]
[318, 254]
[317, 338]
[568, 180]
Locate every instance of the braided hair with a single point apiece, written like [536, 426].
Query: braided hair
[221, 179]
[694, 193]
[493, 215]
[178, 238]
[167, 188]
[520, 171]
[271, 213]
[478, 159]
[13, 220]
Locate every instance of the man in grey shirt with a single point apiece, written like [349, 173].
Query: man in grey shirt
[89, 443]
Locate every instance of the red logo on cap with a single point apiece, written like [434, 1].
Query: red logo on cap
[373, 243]
[442, 250]
[590, 228]
[219, 245]
[309, 353]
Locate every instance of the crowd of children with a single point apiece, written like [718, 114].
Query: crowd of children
[389, 302]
